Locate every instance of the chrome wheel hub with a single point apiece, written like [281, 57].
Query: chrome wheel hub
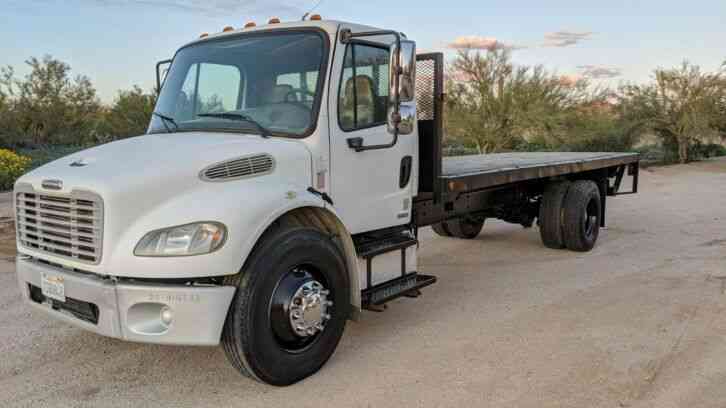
[309, 309]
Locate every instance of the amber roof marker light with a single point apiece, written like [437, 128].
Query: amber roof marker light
[227, 29]
[274, 20]
[202, 35]
[250, 24]
[313, 17]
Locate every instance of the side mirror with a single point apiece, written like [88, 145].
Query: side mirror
[402, 77]
[162, 68]
[402, 88]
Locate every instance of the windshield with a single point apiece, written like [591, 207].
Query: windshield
[268, 84]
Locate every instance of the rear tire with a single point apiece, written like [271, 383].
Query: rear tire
[582, 211]
[261, 336]
[550, 214]
[464, 228]
[441, 230]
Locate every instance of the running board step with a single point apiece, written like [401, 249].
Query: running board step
[395, 243]
[407, 285]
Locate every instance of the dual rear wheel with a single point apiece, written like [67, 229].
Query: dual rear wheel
[465, 228]
[569, 215]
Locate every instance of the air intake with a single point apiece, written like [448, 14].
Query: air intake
[242, 167]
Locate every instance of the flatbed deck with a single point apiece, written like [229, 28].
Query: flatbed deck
[489, 170]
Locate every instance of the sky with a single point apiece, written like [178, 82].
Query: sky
[117, 42]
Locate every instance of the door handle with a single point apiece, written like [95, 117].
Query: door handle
[405, 173]
[356, 143]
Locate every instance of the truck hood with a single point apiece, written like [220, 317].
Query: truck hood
[168, 162]
[153, 181]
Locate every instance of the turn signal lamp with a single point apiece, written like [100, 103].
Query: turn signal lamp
[315, 17]
[250, 24]
[228, 29]
[274, 20]
[204, 35]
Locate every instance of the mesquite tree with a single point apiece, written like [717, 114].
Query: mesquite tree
[682, 106]
[493, 104]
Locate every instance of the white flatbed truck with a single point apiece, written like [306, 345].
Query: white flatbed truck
[278, 192]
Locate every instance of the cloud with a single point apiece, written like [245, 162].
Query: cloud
[216, 7]
[566, 38]
[475, 42]
[599, 72]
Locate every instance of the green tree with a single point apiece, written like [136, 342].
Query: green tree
[130, 113]
[49, 106]
[682, 106]
[494, 105]
[8, 120]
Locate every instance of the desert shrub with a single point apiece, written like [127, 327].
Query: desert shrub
[12, 166]
[707, 150]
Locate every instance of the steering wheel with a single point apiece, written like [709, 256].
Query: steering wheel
[300, 91]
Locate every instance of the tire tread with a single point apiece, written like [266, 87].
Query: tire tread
[550, 214]
[578, 197]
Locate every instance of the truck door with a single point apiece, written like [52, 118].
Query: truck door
[370, 189]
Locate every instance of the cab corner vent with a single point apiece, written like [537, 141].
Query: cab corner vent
[242, 167]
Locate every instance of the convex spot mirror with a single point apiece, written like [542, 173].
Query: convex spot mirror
[405, 121]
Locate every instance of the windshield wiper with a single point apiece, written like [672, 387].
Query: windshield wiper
[264, 132]
[165, 119]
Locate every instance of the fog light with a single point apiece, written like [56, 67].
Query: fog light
[166, 315]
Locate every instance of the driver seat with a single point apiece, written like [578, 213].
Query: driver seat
[279, 93]
[364, 106]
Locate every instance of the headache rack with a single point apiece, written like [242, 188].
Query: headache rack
[68, 226]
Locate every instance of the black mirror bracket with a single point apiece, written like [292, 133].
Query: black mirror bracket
[158, 74]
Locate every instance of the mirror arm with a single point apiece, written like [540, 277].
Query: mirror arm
[158, 74]
[346, 37]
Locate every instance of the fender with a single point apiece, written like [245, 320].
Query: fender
[247, 208]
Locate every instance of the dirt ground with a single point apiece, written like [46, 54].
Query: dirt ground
[638, 322]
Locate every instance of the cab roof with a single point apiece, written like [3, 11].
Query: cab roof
[329, 26]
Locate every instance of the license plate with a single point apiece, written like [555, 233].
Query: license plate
[53, 287]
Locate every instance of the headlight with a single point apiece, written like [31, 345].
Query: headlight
[190, 239]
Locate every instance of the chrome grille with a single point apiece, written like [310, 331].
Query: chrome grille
[242, 167]
[65, 225]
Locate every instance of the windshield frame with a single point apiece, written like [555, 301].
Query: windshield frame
[320, 89]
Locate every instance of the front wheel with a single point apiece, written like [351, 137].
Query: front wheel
[290, 309]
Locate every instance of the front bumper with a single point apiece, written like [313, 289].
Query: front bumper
[130, 311]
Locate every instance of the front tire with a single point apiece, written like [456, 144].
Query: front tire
[290, 309]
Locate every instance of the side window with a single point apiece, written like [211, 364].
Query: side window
[363, 93]
[209, 88]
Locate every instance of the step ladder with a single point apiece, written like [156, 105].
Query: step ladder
[388, 261]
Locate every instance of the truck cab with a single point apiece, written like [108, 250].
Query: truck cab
[277, 193]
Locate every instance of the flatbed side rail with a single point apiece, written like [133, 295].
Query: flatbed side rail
[502, 176]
